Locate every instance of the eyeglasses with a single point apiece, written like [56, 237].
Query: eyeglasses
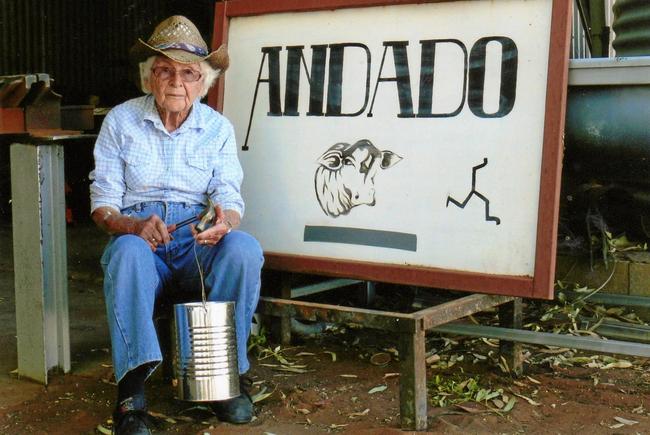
[186, 74]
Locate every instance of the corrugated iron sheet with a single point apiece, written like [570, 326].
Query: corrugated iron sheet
[83, 44]
[632, 22]
[579, 45]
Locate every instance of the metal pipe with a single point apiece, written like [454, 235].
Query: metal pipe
[612, 299]
[321, 287]
[548, 339]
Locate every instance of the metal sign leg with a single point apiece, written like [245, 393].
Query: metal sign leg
[510, 316]
[412, 383]
[40, 259]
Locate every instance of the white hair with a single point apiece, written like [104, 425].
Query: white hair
[209, 75]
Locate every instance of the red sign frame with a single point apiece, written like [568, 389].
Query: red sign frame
[538, 286]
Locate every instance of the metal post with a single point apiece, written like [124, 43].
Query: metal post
[368, 292]
[510, 316]
[286, 280]
[412, 383]
[40, 259]
[598, 29]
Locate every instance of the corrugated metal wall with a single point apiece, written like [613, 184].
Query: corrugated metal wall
[609, 18]
[83, 44]
[22, 32]
[579, 45]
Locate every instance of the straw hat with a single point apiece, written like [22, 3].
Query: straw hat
[180, 40]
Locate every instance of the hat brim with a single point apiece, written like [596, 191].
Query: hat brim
[218, 59]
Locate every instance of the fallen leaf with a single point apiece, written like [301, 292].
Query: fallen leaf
[103, 430]
[432, 359]
[359, 414]
[471, 407]
[380, 359]
[162, 417]
[510, 405]
[622, 364]
[262, 395]
[391, 375]
[639, 410]
[489, 342]
[392, 351]
[303, 411]
[527, 399]
[625, 421]
[498, 403]
[293, 370]
[533, 380]
[348, 376]
[377, 389]
[305, 354]
[332, 354]
[555, 350]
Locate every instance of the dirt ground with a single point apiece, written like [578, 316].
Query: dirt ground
[343, 381]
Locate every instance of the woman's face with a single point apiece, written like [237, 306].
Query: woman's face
[175, 85]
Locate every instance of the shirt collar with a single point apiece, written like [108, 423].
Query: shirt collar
[149, 113]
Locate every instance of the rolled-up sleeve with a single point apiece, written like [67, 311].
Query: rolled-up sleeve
[227, 174]
[108, 184]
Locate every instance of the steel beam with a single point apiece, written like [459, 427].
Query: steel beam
[545, 338]
[511, 316]
[321, 287]
[413, 380]
[375, 319]
[454, 310]
[610, 299]
[40, 259]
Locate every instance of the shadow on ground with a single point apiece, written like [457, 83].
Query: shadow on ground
[343, 381]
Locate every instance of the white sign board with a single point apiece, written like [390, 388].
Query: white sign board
[409, 135]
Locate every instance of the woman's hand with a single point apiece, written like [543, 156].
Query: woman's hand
[153, 230]
[221, 225]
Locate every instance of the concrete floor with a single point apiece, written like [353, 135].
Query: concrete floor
[89, 340]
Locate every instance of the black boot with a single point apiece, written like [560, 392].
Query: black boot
[237, 410]
[131, 418]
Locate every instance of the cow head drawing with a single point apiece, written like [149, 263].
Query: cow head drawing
[345, 177]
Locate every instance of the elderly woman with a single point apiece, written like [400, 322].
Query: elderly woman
[159, 160]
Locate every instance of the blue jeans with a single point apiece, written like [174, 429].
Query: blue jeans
[135, 277]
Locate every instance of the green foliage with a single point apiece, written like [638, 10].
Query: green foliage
[459, 388]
